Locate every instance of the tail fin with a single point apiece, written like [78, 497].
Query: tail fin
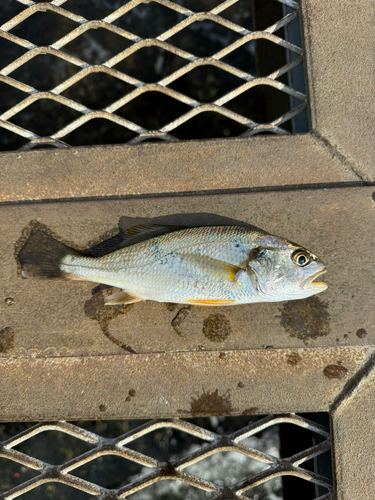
[41, 256]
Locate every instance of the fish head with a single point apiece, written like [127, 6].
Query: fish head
[281, 270]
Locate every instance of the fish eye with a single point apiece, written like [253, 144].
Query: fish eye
[301, 258]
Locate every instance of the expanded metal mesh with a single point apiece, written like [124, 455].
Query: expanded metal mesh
[220, 106]
[174, 469]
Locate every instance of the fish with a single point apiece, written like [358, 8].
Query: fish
[203, 266]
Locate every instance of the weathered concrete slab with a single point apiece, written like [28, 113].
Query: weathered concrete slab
[169, 168]
[339, 41]
[182, 384]
[64, 318]
[354, 436]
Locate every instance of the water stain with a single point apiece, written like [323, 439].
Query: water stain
[6, 339]
[96, 309]
[216, 328]
[361, 333]
[179, 319]
[306, 319]
[211, 404]
[293, 359]
[336, 371]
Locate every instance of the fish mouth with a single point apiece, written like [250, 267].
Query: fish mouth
[316, 284]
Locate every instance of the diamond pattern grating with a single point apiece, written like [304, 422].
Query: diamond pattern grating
[174, 469]
[163, 41]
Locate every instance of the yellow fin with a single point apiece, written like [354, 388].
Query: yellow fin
[122, 297]
[214, 267]
[212, 302]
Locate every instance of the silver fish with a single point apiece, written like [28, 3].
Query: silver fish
[208, 266]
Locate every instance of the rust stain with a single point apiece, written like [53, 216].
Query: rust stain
[293, 359]
[96, 309]
[211, 403]
[6, 339]
[216, 328]
[336, 371]
[179, 319]
[361, 333]
[306, 319]
[250, 411]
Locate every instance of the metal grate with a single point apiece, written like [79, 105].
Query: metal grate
[175, 469]
[20, 118]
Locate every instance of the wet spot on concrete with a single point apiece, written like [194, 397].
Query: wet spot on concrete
[306, 319]
[293, 359]
[211, 404]
[179, 319]
[170, 306]
[250, 411]
[336, 371]
[361, 333]
[96, 309]
[6, 339]
[216, 328]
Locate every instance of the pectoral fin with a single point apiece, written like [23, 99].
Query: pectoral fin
[121, 297]
[214, 267]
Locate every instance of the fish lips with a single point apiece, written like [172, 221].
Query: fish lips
[316, 286]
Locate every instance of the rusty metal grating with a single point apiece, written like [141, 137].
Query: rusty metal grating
[187, 107]
[174, 469]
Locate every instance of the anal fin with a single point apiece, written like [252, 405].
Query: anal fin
[121, 297]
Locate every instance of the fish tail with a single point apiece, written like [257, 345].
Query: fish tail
[41, 256]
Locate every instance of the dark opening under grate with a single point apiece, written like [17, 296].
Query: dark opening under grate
[263, 458]
[88, 72]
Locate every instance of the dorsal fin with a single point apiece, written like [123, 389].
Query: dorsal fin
[130, 236]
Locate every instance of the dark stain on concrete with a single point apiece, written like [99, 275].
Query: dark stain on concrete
[132, 393]
[306, 319]
[336, 371]
[241, 385]
[216, 328]
[293, 359]
[361, 333]
[102, 408]
[250, 411]
[179, 319]
[96, 309]
[6, 339]
[170, 306]
[211, 404]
